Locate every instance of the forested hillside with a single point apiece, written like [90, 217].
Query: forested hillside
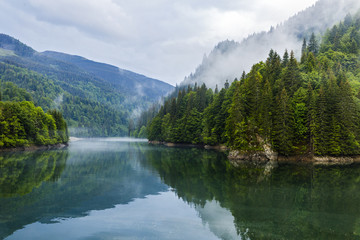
[305, 106]
[129, 83]
[93, 103]
[85, 117]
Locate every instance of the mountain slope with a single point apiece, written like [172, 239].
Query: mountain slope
[229, 59]
[120, 78]
[94, 97]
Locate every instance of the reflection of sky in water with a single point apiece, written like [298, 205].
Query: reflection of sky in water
[162, 216]
[96, 145]
[220, 220]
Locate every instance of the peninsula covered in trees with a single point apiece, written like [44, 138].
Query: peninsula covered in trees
[306, 106]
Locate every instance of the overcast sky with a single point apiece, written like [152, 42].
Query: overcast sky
[163, 39]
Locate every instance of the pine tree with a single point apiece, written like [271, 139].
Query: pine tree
[291, 76]
[301, 130]
[227, 84]
[243, 76]
[266, 111]
[304, 47]
[285, 60]
[348, 120]
[282, 134]
[313, 45]
[214, 120]
[236, 112]
[310, 62]
[353, 47]
[273, 67]
[311, 117]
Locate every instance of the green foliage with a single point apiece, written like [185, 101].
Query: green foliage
[89, 118]
[86, 117]
[42, 90]
[11, 92]
[23, 124]
[196, 116]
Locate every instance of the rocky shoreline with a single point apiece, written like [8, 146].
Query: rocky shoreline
[264, 157]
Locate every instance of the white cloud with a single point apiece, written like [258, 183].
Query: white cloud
[163, 39]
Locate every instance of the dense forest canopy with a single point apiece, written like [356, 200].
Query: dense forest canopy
[306, 106]
[23, 124]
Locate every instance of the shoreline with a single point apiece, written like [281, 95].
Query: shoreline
[169, 144]
[268, 156]
[272, 157]
[35, 148]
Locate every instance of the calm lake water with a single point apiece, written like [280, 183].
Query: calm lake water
[119, 189]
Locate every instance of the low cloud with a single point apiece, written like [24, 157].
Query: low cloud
[229, 59]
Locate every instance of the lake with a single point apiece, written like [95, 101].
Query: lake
[118, 188]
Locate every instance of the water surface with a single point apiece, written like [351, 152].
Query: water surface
[120, 189]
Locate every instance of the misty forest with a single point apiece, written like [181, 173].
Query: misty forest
[261, 141]
[305, 106]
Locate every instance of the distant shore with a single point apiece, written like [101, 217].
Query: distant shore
[169, 144]
[34, 148]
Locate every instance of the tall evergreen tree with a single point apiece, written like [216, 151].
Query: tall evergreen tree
[285, 60]
[291, 76]
[282, 135]
[304, 47]
[313, 45]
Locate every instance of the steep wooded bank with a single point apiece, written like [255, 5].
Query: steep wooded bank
[293, 107]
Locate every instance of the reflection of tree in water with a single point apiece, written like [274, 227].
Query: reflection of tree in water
[295, 202]
[20, 173]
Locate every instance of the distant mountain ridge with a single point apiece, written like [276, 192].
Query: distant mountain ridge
[87, 92]
[229, 59]
[124, 79]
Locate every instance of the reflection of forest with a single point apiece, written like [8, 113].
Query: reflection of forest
[91, 180]
[294, 202]
[21, 172]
